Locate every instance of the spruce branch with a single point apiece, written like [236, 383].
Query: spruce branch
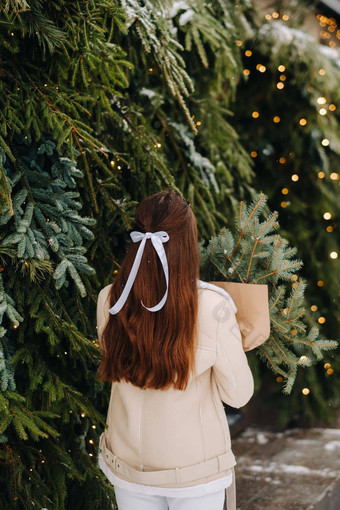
[243, 259]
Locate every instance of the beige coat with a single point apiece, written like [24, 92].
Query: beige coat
[157, 430]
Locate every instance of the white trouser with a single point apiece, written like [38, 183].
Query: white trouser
[127, 500]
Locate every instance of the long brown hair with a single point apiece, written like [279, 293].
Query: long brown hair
[156, 349]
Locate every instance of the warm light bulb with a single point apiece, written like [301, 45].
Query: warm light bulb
[333, 255]
[295, 177]
[276, 119]
[320, 283]
[281, 68]
[325, 142]
[248, 53]
[327, 215]
[332, 107]
[334, 176]
[321, 175]
[285, 17]
[280, 85]
[323, 111]
[284, 191]
[321, 320]
[275, 15]
[322, 72]
[314, 308]
[253, 154]
[246, 72]
[306, 391]
[302, 122]
[282, 160]
[327, 365]
[255, 115]
[321, 100]
[303, 359]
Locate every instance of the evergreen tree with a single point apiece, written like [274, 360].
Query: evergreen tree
[102, 103]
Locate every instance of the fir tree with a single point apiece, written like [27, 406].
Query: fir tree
[101, 104]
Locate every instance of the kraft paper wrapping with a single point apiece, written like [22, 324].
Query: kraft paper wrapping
[252, 315]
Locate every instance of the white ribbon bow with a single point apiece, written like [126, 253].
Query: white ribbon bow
[157, 239]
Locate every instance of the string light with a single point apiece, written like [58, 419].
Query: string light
[320, 283]
[284, 191]
[333, 255]
[285, 17]
[322, 72]
[82, 415]
[329, 228]
[255, 115]
[112, 163]
[239, 43]
[302, 122]
[275, 15]
[276, 119]
[295, 177]
[248, 53]
[283, 77]
[282, 160]
[253, 154]
[327, 365]
[150, 69]
[279, 379]
[321, 320]
[327, 215]
[280, 85]
[325, 142]
[314, 308]
[330, 371]
[332, 107]
[281, 68]
[303, 359]
[334, 176]
[323, 111]
[306, 391]
[321, 175]
[268, 17]
[283, 204]
[246, 72]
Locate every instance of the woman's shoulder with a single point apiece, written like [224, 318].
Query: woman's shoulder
[211, 295]
[105, 290]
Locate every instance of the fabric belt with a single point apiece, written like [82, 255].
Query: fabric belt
[174, 476]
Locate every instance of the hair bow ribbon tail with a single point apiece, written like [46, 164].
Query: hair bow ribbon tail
[157, 239]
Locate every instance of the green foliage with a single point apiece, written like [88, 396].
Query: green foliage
[256, 254]
[123, 99]
[45, 224]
